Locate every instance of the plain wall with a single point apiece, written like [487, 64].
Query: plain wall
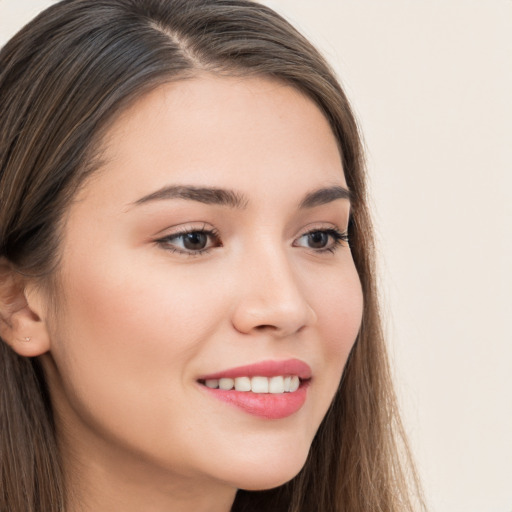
[431, 83]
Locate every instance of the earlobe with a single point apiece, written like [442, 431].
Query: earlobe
[21, 324]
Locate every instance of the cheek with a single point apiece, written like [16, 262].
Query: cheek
[132, 315]
[339, 307]
[133, 323]
[113, 329]
[123, 349]
[338, 302]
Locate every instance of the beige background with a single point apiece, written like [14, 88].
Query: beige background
[431, 82]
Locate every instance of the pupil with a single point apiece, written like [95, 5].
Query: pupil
[195, 241]
[318, 239]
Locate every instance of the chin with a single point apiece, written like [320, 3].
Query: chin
[271, 473]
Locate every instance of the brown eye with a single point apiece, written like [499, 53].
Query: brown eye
[191, 242]
[322, 240]
[318, 239]
[196, 241]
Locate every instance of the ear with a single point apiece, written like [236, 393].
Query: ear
[22, 324]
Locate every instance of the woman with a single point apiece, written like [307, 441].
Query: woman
[184, 323]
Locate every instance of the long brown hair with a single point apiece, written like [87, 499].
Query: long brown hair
[62, 79]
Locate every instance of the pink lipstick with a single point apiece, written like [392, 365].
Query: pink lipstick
[269, 389]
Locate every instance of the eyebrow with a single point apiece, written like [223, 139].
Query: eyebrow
[233, 199]
[324, 196]
[206, 195]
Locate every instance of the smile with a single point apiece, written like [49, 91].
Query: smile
[276, 385]
[269, 389]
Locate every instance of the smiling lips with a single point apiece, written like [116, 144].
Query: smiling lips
[270, 389]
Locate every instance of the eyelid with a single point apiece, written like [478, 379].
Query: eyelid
[185, 227]
[327, 226]
[338, 235]
[165, 240]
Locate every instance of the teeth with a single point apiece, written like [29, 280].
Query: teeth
[294, 384]
[275, 385]
[259, 385]
[243, 384]
[226, 384]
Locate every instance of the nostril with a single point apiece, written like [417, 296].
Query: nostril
[265, 327]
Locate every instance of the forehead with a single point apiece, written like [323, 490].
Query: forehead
[221, 130]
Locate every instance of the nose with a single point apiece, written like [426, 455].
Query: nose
[271, 298]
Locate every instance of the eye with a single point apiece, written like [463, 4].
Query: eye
[317, 239]
[192, 242]
[196, 241]
[322, 240]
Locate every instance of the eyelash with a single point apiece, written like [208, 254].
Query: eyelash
[337, 236]
[210, 233]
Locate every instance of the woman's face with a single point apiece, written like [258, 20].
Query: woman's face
[209, 247]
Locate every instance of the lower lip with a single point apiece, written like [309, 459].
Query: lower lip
[265, 405]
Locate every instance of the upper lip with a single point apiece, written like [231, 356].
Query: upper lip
[270, 368]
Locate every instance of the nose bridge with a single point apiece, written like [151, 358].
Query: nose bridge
[272, 297]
